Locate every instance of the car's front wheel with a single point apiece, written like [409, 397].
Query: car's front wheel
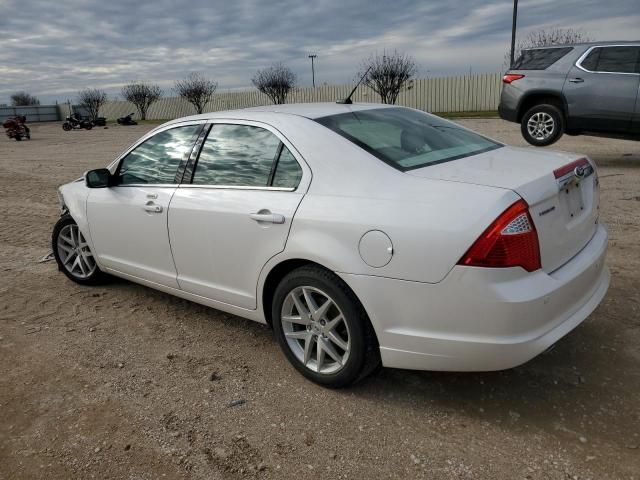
[542, 125]
[322, 328]
[72, 253]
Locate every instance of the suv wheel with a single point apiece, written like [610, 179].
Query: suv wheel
[542, 125]
[322, 328]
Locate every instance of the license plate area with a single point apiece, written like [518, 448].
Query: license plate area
[573, 199]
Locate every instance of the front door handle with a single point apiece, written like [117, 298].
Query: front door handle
[266, 216]
[152, 207]
[576, 80]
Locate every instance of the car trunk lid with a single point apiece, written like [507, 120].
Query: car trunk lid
[560, 188]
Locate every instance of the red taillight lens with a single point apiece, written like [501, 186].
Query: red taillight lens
[510, 241]
[511, 77]
[570, 167]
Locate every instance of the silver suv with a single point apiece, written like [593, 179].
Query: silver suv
[574, 89]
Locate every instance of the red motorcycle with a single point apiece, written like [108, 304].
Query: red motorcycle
[16, 128]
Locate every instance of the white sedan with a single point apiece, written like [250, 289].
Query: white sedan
[363, 234]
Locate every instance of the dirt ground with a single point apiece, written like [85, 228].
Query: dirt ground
[124, 382]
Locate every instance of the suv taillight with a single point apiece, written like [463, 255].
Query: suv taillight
[510, 241]
[511, 77]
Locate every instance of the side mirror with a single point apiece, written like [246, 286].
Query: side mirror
[99, 178]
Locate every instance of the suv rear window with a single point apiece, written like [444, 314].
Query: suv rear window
[539, 58]
[407, 139]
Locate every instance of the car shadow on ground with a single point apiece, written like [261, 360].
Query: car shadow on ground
[572, 389]
[555, 392]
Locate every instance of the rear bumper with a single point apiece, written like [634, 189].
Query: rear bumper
[509, 100]
[480, 319]
[507, 113]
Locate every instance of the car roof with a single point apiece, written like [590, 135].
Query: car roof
[307, 110]
[588, 44]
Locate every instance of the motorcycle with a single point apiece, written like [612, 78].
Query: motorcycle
[127, 120]
[76, 122]
[99, 122]
[16, 128]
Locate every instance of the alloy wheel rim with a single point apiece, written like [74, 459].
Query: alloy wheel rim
[74, 253]
[541, 125]
[316, 330]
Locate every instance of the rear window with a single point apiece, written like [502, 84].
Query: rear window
[539, 58]
[407, 139]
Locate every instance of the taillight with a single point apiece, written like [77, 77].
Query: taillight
[511, 77]
[510, 241]
[570, 167]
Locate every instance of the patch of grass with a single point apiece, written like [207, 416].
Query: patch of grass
[112, 121]
[152, 122]
[476, 114]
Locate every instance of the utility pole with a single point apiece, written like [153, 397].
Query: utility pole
[513, 31]
[313, 72]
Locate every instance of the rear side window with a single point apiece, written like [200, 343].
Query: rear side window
[539, 58]
[288, 172]
[612, 60]
[236, 155]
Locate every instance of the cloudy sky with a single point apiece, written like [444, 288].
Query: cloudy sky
[52, 48]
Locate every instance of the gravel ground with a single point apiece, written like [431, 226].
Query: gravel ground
[121, 381]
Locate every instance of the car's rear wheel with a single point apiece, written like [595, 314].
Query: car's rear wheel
[542, 125]
[72, 253]
[322, 328]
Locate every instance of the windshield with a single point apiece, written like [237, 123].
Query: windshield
[407, 139]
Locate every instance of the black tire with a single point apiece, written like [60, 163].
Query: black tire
[556, 131]
[88, 126]
[364, 355]
[96, 278]
[66, 126]
[18, 137]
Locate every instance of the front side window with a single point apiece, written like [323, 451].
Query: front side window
[236, 155]
[407, 139]
[612, 60]
[539, 58]
[156, 161]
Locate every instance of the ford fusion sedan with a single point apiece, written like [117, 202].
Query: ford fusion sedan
[363, 234]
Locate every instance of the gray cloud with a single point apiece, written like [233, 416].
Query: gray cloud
[53, 49]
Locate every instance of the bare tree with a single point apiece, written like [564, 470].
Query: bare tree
[387, 74]
[197, 90]
[22, 99]
[91, 99]
[276, 82]
[142, 95]
[546, 38]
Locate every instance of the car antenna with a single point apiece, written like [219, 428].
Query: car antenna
[347, 101]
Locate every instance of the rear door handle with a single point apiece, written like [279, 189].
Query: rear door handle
[152, 207]
[267, 217]
[576, 80]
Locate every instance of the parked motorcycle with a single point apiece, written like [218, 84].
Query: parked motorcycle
[99, 122]
[76, 122]
[16, 128]
[127, 120]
